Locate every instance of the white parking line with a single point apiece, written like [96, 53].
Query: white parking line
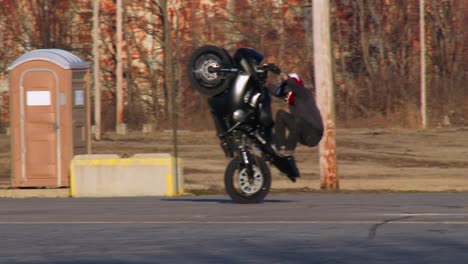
[424, 214]
[366, 222]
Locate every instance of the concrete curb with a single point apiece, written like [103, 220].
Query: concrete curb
[150, 174]
[35, 193]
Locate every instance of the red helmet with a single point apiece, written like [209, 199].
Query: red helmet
[296, 78]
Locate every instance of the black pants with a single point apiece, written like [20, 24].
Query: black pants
[298, 131]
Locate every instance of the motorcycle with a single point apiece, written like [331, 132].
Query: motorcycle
[240, 106]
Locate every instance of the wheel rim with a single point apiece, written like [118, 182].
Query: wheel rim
[202, 73]
[250, 186]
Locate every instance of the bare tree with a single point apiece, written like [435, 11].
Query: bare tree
[446, 45]
[42, 23]
[145, 46]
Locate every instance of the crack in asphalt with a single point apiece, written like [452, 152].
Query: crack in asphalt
[373, 230]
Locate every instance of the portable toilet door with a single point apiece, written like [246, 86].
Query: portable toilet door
[41, 117]
[39, 126]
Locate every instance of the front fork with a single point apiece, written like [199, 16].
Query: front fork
[244, 153]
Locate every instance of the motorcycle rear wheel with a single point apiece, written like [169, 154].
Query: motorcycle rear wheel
[240, 188]
[201, 79]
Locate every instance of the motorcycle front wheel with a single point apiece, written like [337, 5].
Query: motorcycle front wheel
[201, 78]
[245, 190]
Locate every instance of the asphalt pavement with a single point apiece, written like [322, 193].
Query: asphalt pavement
[286, 228]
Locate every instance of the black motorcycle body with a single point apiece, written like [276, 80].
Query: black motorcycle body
[240, 105]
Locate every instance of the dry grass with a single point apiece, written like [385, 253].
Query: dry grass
[368, 160]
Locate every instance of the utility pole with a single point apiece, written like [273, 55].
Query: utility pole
[97, 84]
[325, 92]
[422, 41]
[121, 128]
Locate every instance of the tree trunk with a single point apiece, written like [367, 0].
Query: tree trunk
[168, 74]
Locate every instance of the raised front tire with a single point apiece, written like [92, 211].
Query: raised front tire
[201, 79]
[243, 189]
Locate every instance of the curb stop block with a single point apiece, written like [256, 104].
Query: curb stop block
[113, 176]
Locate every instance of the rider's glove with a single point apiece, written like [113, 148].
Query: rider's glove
[281, 90]
[274, 69]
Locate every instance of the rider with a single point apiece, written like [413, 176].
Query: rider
[303, 121]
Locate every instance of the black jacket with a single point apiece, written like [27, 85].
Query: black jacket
[304, 106]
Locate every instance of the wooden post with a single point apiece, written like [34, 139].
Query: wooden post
[171, 83]
[422, 41]
[325, 92]
[119, 88]
[96, 70]
[88, 112]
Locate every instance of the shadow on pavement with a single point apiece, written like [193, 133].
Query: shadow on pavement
[217, 200]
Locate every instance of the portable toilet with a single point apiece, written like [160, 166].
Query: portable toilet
[49, 116]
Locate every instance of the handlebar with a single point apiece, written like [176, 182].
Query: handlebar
[212, 69]
[261, 69]
[271, 67]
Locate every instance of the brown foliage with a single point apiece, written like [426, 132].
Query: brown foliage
[375, 43]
